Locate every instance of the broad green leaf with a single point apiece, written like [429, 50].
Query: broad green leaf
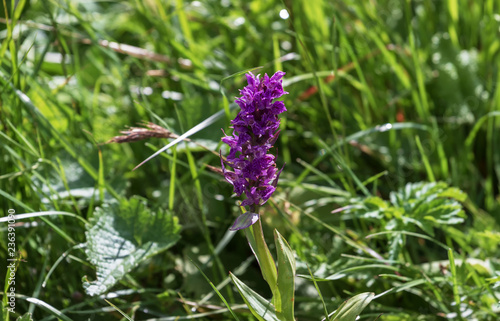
[286, 277]
[350, 309]
[123, 235]
[261, 308]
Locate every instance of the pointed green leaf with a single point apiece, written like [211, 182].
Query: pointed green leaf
[25, 317]
[122, 236]
[350, 309]
[261, 308]
[216, 291]
[259, 247]
[286, 277]
[251, 241]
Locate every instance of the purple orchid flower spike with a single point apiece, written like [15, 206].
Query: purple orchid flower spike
[255, 132]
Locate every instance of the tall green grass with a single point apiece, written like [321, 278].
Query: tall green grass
[382, 94]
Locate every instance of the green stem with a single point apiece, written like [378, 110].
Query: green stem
[266, 261]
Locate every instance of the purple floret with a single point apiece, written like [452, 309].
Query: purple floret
[255, 132]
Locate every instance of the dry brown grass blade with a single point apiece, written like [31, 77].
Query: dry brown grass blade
[149, 130]
[122, 48]
[134, 134]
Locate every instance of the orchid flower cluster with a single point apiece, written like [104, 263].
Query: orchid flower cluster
[254, 173]
[255, 132]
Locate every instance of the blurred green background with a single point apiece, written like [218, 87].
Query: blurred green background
[382, 94]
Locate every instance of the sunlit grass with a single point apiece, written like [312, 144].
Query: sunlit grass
[383, 94]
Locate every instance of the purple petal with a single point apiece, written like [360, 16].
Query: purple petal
[252, 196]
[274, 138]
[255, 131]
[240, 185]
[266, 194]
[275, 182]
[278, 75]
[228, 175]
[278, 107]
[252, 80]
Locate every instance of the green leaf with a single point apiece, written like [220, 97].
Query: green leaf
[122, 236]
[286, 277]
[350, 309]
[259, 247]
[261, 308]
[345, 272]
[395, 246]
[426, 205]
[25, 317]
[119, 311]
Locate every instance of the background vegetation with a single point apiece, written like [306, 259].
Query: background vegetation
[391, 183]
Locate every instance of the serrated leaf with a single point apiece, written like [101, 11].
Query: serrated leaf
[426, 205]
[455, 193]
[350, 309]
[261, 308]
[286, 277]
[123, 235]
